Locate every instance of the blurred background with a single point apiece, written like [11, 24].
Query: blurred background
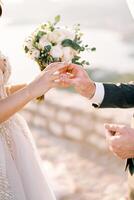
[68, 132]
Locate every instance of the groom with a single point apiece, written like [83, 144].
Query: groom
[120, 138]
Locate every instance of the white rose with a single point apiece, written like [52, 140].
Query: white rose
[43, 42]
[34, 54]
[53, 37]
[56, 51]
[58, 35]
[68, 34]
[68, 54]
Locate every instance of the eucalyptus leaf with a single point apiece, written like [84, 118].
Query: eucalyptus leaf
[93, 49]
[47, 48]
[26, 49]
[71, 43]
[39, 35]
[57, 19]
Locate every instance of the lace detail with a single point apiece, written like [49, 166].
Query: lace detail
[4, 131]
[7, 128]
[20, 122]
[5, 190]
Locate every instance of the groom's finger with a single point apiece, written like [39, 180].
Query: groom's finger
[112, 127]
[110, 136]
[54, 77]
[115, 129]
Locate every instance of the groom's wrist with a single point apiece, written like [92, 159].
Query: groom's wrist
[98, 96]
[90, 90]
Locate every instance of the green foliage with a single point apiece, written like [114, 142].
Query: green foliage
[47, 48]
[26, 49]
[93, 49]
[77, 44]
[57, 19]
[45, 58]
[72, 44]
[75, 59]
[51, 25]
[38, 36]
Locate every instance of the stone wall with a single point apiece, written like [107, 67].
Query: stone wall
[69, 135]
[76, 121]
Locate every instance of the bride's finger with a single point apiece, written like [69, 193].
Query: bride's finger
[56, 66]
[61, 79]
[59, 83]
[67, 79]
[55, 77]
[56, 73]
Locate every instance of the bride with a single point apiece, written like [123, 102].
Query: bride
[21, 176]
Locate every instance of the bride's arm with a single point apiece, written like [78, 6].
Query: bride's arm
[14, 88]
[16, 101]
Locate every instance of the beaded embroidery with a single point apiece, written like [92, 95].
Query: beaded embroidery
[5, 189]
[4, 131]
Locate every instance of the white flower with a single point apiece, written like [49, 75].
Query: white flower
[68, 54]
[68, 34]
[58, 35]
[56, 51]
[53, 37]
[34, 53]
[43, 42]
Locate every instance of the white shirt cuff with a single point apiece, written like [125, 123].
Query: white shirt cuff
[98, 97]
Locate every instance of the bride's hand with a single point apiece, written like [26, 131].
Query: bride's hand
[46, 80]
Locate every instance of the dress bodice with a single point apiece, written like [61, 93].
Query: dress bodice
[5, 71]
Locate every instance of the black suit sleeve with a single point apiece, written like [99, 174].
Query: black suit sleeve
[118, 96]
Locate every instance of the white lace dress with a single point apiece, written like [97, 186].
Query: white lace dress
[21, 176]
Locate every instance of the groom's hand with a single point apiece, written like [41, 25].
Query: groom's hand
[120, 140]
[80, 80]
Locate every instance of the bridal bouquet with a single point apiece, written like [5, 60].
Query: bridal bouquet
[51, 43]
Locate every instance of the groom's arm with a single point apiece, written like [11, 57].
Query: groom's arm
[100, 95]
[113, 96]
